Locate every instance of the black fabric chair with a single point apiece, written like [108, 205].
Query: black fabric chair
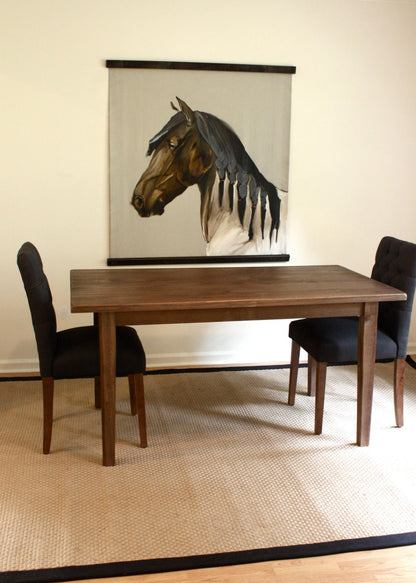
[334, 340]
[74, 353]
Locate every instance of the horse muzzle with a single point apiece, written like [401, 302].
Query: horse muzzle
[140, 206]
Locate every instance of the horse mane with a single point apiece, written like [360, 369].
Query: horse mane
[234, 163]
[174, 121]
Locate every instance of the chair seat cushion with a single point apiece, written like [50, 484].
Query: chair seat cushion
[336, 339]
[78, 354]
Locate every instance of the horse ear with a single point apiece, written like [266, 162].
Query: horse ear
[173, 106]
[189, 114]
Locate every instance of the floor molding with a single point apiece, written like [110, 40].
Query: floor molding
[17, 376]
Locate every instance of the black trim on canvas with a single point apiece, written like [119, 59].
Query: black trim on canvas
[211, 259]
[181, 65]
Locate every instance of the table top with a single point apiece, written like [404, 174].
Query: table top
[188, 288]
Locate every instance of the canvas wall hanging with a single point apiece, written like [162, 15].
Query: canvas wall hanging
[199, 162]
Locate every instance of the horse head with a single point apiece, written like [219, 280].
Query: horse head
[181, 157]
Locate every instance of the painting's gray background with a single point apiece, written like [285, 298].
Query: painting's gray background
[255, 105]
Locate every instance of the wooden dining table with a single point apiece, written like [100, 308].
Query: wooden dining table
[168, 295]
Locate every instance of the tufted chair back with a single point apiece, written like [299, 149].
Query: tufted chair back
[395, 265]
[40, 302]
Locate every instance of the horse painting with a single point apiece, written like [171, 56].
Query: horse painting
[240, 209]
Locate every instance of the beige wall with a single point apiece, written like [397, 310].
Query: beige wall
[353, 149]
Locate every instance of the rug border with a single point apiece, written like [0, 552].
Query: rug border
[208, 368]
[151, 566]
[171, 370]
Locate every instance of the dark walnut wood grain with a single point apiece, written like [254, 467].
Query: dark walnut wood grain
[210, 294]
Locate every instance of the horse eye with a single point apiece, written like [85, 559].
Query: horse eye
[172, 144]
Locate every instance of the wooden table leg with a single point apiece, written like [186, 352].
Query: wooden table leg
[293, 376]
[108, 381]
[319, 383]
[367, 340]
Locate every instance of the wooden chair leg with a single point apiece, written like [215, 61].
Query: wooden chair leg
[136, 382]
[47, 386]
[133, 398]
[311, 376]
[399, 366]
[320, 395]
[97, 392]
[293, 376]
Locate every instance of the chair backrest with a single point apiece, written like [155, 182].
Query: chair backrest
[40, 302]
[395, 265]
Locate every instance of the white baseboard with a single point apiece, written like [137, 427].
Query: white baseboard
[191, 359]
[165, 360]
[155, 361]
[23, 366]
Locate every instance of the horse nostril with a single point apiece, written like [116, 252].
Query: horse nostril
[138, 202]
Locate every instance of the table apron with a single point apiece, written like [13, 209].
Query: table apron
[207, 314]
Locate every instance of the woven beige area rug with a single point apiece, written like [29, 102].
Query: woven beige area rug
[231, 474]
